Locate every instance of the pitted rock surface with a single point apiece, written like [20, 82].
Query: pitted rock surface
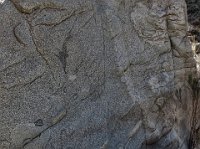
[95, 74]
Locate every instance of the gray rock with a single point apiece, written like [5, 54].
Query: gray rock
[95, 74]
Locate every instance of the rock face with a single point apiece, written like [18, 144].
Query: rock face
[104, 74]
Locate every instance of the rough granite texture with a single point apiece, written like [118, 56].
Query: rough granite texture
[96, 74]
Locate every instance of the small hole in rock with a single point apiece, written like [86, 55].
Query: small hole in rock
[39, 122]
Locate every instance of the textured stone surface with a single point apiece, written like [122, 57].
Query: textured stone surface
[86, 74]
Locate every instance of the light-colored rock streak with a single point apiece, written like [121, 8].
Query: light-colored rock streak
[150, 26]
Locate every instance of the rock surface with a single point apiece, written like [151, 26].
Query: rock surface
[104, 74]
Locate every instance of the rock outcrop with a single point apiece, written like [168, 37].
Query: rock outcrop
[97, 74]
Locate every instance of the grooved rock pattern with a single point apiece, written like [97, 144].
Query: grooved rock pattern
[95, 74]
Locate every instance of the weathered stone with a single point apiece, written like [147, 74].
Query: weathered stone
[89, 74]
